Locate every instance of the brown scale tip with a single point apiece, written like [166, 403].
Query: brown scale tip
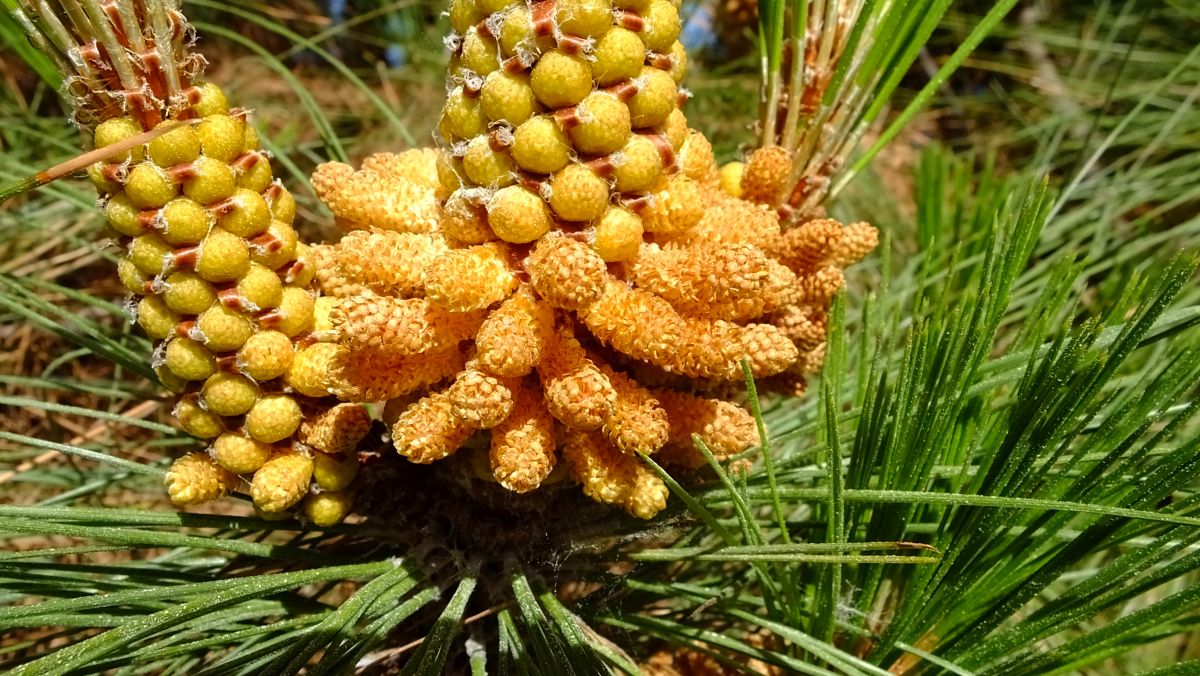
[603, 167]
[623, 90]
[234, 300]
[515, 65]
[228, 364]
[267, 242]
[629, 20]
[660, 61]
[543, 18]
[116, 172]
[665, 151]
[246, 162]
[573, 44]
[185, 257]
[221, 208]
[567, 118]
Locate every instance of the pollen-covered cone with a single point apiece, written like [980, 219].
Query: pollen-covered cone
[586, 241]
[393, 193]
[215, 271]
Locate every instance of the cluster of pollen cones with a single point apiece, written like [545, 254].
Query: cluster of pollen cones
[570, 276]
[566, 283]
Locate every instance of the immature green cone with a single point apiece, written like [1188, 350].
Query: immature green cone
[216, 273]
[566, 110]
[219, 276]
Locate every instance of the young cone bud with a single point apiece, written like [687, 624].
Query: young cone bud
[281, 482]
[195, 479]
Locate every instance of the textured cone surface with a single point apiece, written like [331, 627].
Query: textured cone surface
[724, 427]
[282, 482]
[336, 430]
[219, 275]
[195, 479]
[522, 451]
[428, 430]
[574, 87]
